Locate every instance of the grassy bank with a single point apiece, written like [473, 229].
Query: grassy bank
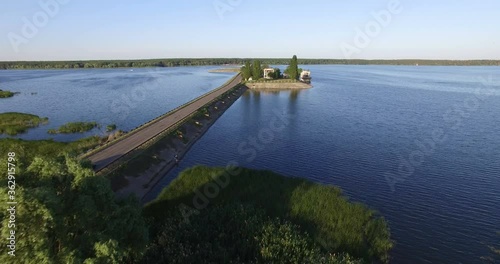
[334, 223]
[16, 123]
[74, 127]
[28, 149]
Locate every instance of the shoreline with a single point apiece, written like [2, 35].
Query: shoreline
[225, 70]
[277, 85]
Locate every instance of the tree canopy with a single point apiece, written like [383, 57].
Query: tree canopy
[247, 70]
[256, 70]
[293, 68]
[65, 214]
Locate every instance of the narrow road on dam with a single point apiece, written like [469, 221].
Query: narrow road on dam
[107, 155]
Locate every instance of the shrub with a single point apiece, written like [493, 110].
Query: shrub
[234, 233]
[74, 127]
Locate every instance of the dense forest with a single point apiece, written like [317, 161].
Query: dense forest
[223, 61]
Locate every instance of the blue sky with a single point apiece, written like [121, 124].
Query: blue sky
[133, 29]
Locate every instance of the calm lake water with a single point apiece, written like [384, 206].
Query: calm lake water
[433, 130]
[125, 97]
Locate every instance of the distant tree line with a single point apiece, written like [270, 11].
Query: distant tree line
[222, 61]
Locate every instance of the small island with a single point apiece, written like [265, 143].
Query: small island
[6, 94]
[259, 76]
[110, 128]
[74, 127]
[16, 123]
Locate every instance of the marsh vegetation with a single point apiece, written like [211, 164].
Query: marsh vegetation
[16, 123]
[6, 94]
[74, 127]
[323, 222]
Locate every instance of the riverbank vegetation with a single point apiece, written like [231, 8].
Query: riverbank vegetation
[74, 127]
[29, 149]
[13, 123]
[68, 215]
[224, 61]
[322, 221]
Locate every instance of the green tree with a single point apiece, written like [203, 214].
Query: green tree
[277, 73]
[68, 215]
[293, 69]
[256, 70]
[247, 70]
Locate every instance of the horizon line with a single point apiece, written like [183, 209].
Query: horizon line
[244, 58]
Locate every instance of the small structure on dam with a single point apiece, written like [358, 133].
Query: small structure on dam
[305, 76]
[269, 73]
